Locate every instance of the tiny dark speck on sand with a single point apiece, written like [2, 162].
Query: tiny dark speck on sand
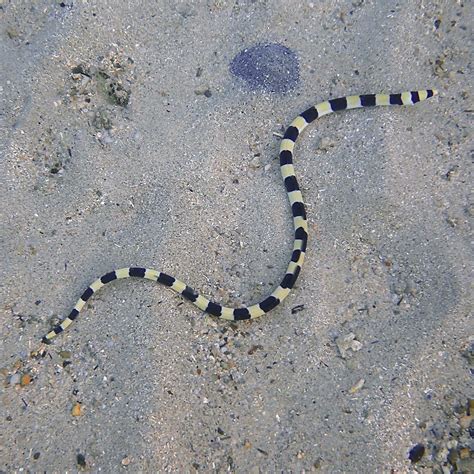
[416, 453]
[81, 460]
[271, 67]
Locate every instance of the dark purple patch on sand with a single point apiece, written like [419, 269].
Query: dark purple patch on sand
[272, 67]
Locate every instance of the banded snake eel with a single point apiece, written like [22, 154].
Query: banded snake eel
[299, 220]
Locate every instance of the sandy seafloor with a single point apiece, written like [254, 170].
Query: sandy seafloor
[127, 140]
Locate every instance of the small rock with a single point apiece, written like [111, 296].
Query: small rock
[15, 379]
[65, 354]
[453, 456]
[25, 380]
[81, 460]
[77, 410]
[464, 453]
[416, 453]
[126, 461]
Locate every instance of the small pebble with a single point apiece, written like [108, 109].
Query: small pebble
[15, 379]
[464, 453]
[25, 380]
[77, 410]
[81, 460]
[453, 456]
[416, 453]
[126, 461]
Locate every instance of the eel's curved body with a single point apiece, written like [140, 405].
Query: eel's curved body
[297, 208]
